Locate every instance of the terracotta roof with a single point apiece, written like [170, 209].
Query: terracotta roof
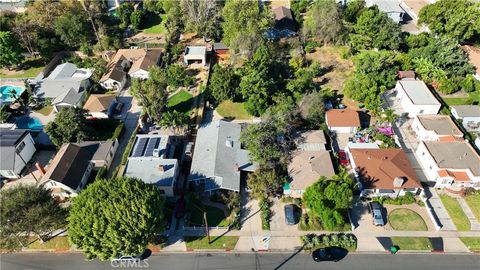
[473, 55]
[406, 74]
[342, 118]
[459, 176]
[99, 103]
[450, 138]
[379, 167]
[282, 12]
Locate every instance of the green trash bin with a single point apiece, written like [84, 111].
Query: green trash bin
[394, 249]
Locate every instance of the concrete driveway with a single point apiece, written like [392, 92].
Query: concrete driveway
[277, 222]
[362, 219]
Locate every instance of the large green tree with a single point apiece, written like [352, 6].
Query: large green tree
[68, 126]
[151, 96]
[374, 29]
[28, 209]
[9, 50]
[223, 83]
[115, 216]
[322, 21]
[175, 120]
[124, 12]
[244, 25]
[73, 29]
[264, 182]
[457, 19]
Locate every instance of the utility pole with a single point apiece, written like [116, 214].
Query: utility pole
[206, 226]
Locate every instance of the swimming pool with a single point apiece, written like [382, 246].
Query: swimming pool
[26, 122]
[6, 91]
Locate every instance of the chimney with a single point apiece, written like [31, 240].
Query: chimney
[161, 168]
[236, 167]
[398, 181]
[40, 168]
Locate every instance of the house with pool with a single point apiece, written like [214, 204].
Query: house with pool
[65, 86]
[9, 93]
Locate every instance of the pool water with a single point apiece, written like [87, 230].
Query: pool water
[6, 90]
[27, 122]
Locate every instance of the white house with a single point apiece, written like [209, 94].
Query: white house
[195, 54]
[391, 7]
[436, 127]
[468, 114]
[100, 106]
[16, 150]
[416, 98]
[450, 164]
[342, 120]
[384, 172]
[151, 160]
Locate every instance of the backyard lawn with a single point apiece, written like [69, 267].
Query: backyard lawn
[34, 67]
[181, 101]
[412, 243]
[472, 243]
[59, 242]
[473, 202]
[455, 212]
[46, 110]
[229, 109]
[403, 219]
[154, 24]
[217, 242]
[473, 98]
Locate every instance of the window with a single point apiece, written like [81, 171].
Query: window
[20, 147]
[162, 192]
[420, 112]
[445, 182]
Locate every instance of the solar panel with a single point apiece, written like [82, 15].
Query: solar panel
[138, 150]
[151, 146]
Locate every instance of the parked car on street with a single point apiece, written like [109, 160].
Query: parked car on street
[377, 213]
[129, 258]
[333, 254]
[342, 158]
[291, 214]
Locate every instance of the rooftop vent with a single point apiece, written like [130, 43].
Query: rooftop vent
[398, 181]
[229, 143]
[161, 168]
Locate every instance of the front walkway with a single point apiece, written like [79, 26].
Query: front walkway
[474, 224]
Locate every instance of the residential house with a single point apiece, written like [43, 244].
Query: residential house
[309, 162]
[436, 127]
[66, 86]
[391, 7]
[221, 50]
[16, 150]
[100, 106]
[17, 6]
[195, 54]
[450, 164]
[468, 114]
[342, 120]
[132, 62]
[151, 160]
[285, 25]
[384, 172]
[474, 57]
[219, 159]
[415, 98]
[70, 169]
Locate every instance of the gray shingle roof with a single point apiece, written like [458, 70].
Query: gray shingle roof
[467, 110]
[8, 141]
[454, 155]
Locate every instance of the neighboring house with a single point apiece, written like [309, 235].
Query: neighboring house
[384, 172]
[151, 160]
[391, 7]
[17, 6]
[101, 106]
[436, 127]
[468, 114]
[450, 164]
[309, 162]
[104, 154]
[218, 158]
[195, 54]
[70, 169]
[342, 120]
[285, 25]
[221, 50]
[474, 57]
[16, 150]
[416, 98]
[66, 86]
[132, 62]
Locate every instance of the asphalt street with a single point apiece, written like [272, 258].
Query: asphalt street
[245, 261]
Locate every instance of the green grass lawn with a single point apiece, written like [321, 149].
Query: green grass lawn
[412, 243]
[455, 212]
[181, 101]
[472, 243]
[229, 109]
[222, 242]
[59, 242]
[45, 110]
[154, 24]
[34, 67]
[403, 219]
[215, 216]
[473, 202]
[473, 98]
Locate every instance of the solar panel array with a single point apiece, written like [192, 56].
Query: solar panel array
[152, 144]
[139, 146]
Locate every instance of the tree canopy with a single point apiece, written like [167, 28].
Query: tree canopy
[73, 28]
[323, 21]
[457, 19]
[202, 17]
[9, 50]
[115, 216]
[68, 126]
[223, 83]
[264, 182]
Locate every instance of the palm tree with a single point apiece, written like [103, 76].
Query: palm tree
[343, 176]
[177, 121]
[389, 116]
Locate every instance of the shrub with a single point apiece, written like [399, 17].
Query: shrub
[265, 214]
[119, 130]
[310, 46]
[408, 198]
[101, 173]
[128, 147]
[312, 241]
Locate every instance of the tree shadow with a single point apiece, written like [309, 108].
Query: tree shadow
[291, 257]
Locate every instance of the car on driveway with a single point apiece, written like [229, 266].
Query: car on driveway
[342, 158]
[291, 214]
[333, 254]
[377, 211]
